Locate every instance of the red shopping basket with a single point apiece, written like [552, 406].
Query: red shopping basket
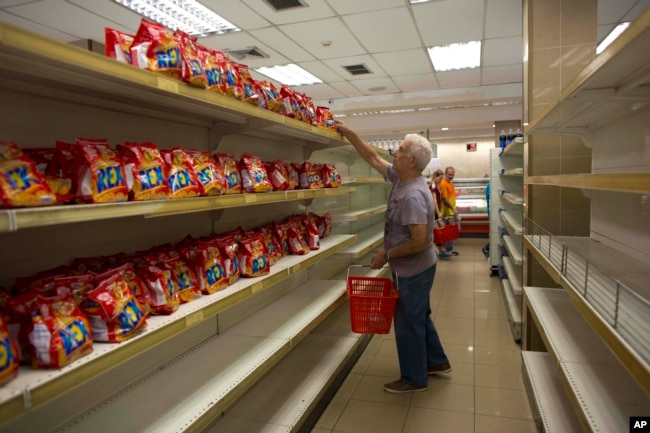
[372, 304]
[445, 234]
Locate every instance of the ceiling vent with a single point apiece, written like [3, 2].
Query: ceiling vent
[358, 69]
[281, 5]
[249, 53]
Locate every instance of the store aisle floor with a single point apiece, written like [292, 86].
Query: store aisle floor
[485, 391]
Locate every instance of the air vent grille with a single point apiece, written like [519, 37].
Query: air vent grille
[357, 69]
[248, 53]
[280, 5]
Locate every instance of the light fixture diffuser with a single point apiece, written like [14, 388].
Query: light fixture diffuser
[291, 75]
[189, 16]
[611, 37]
[456, 56]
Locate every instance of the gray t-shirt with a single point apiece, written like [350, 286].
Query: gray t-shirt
[410, 203]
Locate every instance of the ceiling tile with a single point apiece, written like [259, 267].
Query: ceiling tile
[344, 7]
[319, 92]
[416, 83]
[502, 75]
[462, 78]
[288, 47]
[384, 30]
[310, 35]
[237, 13]
[503, 51]
[35, 27]
[405, 62]
[450, 21]
[382, 84]
[345, 88]
[322, 71]
[242, 40]
[611, 11]
[316, 10]
[337, 66]
[127, 19]
[503, 18]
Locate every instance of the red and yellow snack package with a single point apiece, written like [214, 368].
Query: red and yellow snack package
[310, 176]
[128, 274]
[325, 118]
[99, 173]
[209, 173]
[253, 175]
[157, 49]
[325, 225]
[84, 265]
[146, 171]
[21, 184]
[162, 287]
[60, 332]
[9, 361]
[182, 180]
[310, 108]
[118, 45]
[228, 247]
[280, 231]
[248, 84]
[297, 242]
[192, 70]
[278, 175]
[188, 284]
[253, 257]
[273, 247]
[294, 174]
[213, 61]
[113, 310]
[269, 96]
[78, 285]
[291, 107]
[234, 86]
[310, 225]
[229, 166]
[210, 268]
[302, 106]
[330, 176]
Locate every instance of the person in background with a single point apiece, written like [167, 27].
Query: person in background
[436, 177]
[409, 251]
[449, 209]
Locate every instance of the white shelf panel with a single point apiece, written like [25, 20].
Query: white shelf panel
[515, 274]
[518, 172]
[515, 148]
[512, 222]
[223, 368]
[367, 240]
[359, 214]
[603, 392]
[554, 411]
[514, 248]
[512, 197]
[362, 180]
[513, 308]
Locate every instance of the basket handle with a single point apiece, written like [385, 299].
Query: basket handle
[367, 266]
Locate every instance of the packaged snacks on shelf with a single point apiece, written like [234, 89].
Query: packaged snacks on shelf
[248, 84]
[291, 107]
[188, 284]
[78, 285]
[278, 175]
[118, 45]
[19, 321]
[83, 265]
[293, 169]
[182, 180]
[269, 96]
[330, 176]
[9, 361]
[113, 310]
[273, 247]
[253, 257]
[21, 184]
[229, 248]
[60, 333]
[325, 118]
[209, 173]
[192, 70]
[99, 173]
[325, 225]
[234, 87]
[128, 274]
[310, 225]
[253, 175]
[297, 242]
[310, 176]
[233, 179]
[209, 268]
[157, 49]
[281, 230]
[145, 170]
[213, 66]
[162, 287]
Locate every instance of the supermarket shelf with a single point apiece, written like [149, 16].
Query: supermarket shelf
[514, 248]
[608, 88]
[362, 180]
[604, 394]
[513, 308]
[513, 225]
[511, 197]
[43, 66]
[515, 148]
[357, 215]
[637, 183]
[224, 368]
[16, 219]
[368, 240]
[33, 388]
[512, 172]
[553, 411]
[514, 273]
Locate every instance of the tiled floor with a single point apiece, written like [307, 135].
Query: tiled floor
[484, 393]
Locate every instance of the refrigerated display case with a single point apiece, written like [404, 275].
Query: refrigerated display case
[472, 205]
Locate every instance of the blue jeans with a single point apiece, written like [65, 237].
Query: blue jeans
[418, 344]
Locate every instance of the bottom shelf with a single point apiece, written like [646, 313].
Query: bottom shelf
[552, 408]
[513, 305]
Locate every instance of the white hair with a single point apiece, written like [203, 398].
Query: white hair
[420, 149]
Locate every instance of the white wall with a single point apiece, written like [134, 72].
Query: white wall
[467, 164]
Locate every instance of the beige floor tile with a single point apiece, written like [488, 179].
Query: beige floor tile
[462, 374]
[460, 353]
[463, 312]
[498, 356]
[371, 388]
[507, 403]
[502, 338]
[370, 417]
[455, 336]
[457, 323]
[387, 348]
[362, 364]
[493, 325]
[349, 385]
[437, 421]
[491, 313]
[491, 424]
[446, 396]
[320, 430]
[498, 376]
[332, 413]
[385, 366]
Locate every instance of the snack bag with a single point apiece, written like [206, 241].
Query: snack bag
[84, 265]
[297, 244]
[294, 175]
[302, 106]
[253, 175]
[269, 96]
[310, 108]
[146, 171]
[99, 173]
[209, 268]
[248, 84]
[234, 86]
[21, 184]
[78, 285]
[156, 49]
[128, 274]
[310, 224]
[182, 180]
[233, 179]
[208, 172]
[19, 321]
[278, 175]
[325, 118]
[188, 284]
[325, 225]
[113, 310]
[213, 61]
[330, 176]
[192, 70]
[9, 361]
[280, 231]
[162, 287]
[273, 247]
[291, 107]
[310, 177]
[253, 257]
[46, 163]
[60, 333]
[228, 247]
[118, 45]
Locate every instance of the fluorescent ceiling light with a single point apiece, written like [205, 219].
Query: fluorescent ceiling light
[611, 37]
[444, 129]
[189, 16]
[413, 2]
[291, 75]
[456, 56]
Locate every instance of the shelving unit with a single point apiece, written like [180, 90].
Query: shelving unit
[597, 327]
[506, 198]
[471, 202]
[50, 91]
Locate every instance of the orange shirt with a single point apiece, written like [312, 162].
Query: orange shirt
[447, 191]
